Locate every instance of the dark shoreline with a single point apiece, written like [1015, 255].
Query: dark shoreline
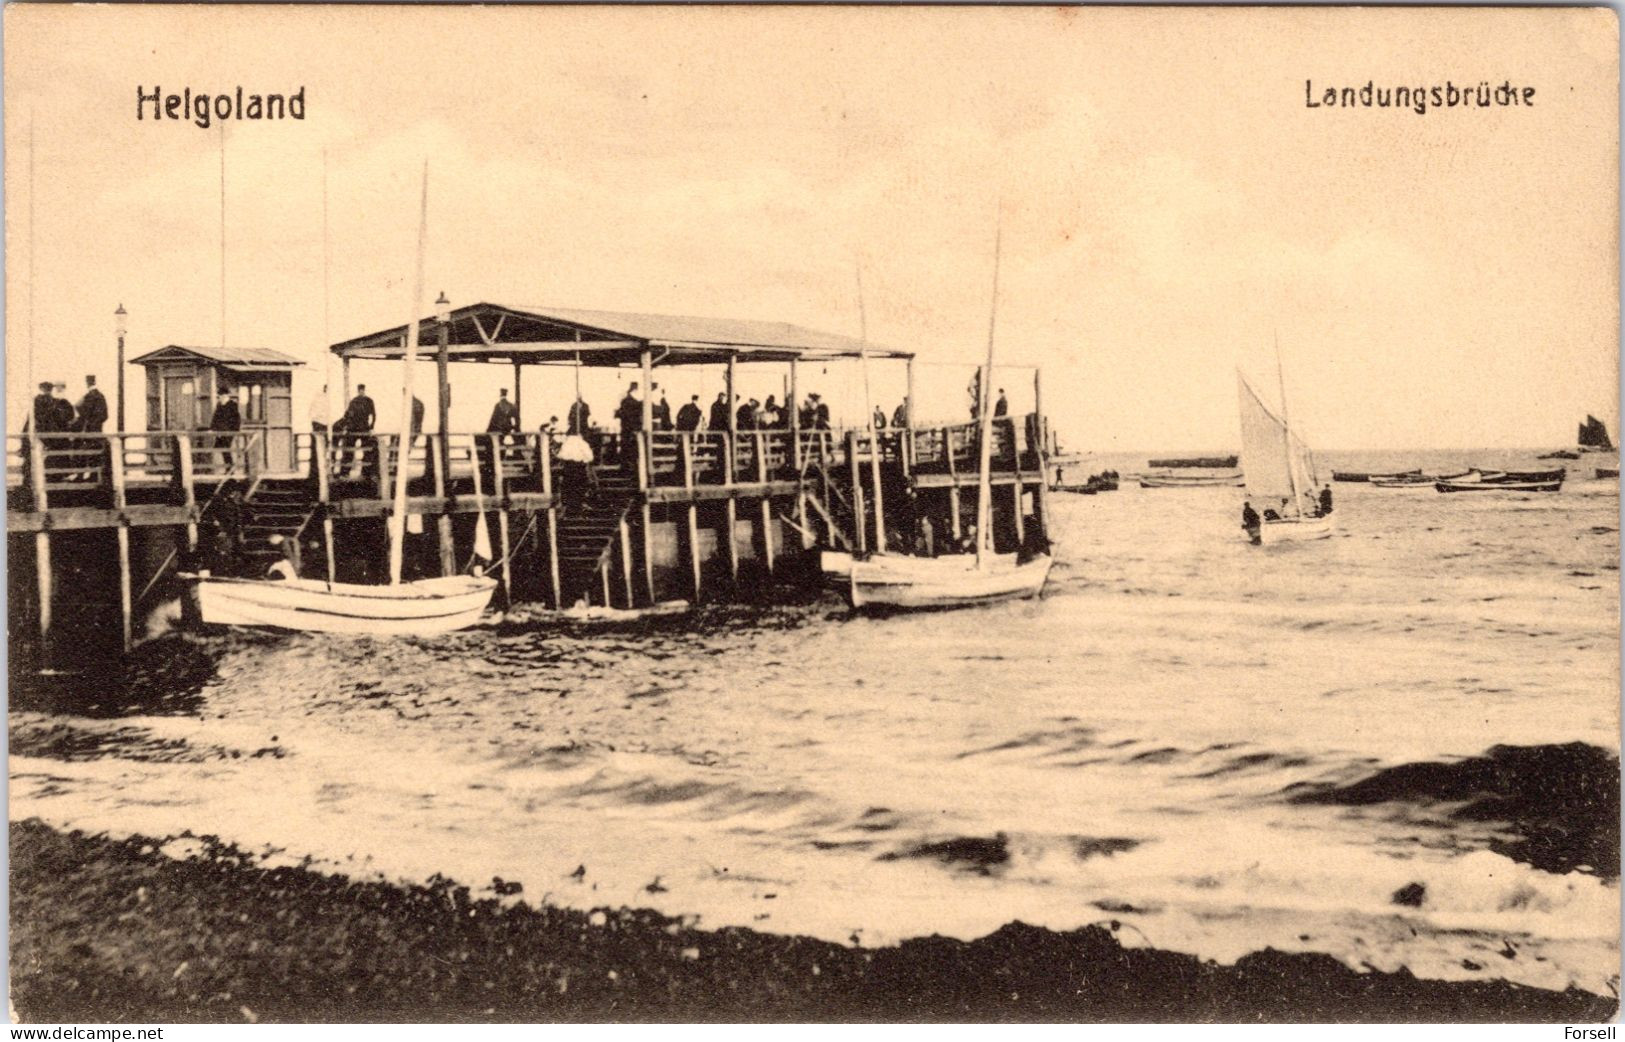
[113, 930]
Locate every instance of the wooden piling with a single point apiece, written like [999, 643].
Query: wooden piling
[183, 460]
[645, 445]
[319, 444]
[115, 464]
[860, 537]
[767, 502]
[693, 532]
[499, 490]
[732, 503]
[438, 444]
[42, 545]
[552, 525]
[626, 558]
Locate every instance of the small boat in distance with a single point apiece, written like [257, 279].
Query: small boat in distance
[1356, 476]
[1607, 472]
[1559, 454]
[1165, 480]
[1499, 486]
[1194, 463]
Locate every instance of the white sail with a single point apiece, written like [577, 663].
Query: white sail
[1279, 468]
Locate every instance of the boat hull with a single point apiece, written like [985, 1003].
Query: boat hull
[423, 608]
[944, 582]
[1294, 530]
[1191, 481]
[1498, 486]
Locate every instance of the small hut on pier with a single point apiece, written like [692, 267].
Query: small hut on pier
[184, 385]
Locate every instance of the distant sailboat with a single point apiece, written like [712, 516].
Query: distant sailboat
[1594, 436]
[1281, 479]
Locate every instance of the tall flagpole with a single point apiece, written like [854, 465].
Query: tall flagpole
[222, 235]
[397, 516]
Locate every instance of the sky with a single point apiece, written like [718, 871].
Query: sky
[1169, 208]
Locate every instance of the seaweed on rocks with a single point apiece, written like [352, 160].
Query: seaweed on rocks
[1562, 800]
[115, 930]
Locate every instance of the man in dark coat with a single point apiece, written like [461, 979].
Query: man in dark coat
[92, 408]
[821, 416]
[92, 414]
[357, 421]
[746, 416]
[226, 421]
[1002, 406]
[660, 412]
[65, 416]
[580, 416]
[630, 415]
[689, 416]
[44, 420]
[504, 422]
[719, 412]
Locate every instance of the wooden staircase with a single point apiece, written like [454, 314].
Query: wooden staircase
[587, 537]
[273, 507]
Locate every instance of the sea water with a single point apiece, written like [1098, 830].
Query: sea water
[1133, 748]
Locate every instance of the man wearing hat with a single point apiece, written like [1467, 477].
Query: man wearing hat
[227, 420]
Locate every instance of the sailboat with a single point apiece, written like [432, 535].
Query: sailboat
[421, 608]
[956, 580]
[1594, 436]
[1280, 473]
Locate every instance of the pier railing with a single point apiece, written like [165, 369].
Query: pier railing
[71, 468]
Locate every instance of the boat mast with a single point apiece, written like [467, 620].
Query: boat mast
[1286, 424]
[869, 420]
[984, 482]
[403, 447]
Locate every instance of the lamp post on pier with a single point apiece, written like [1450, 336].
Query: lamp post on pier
[442, 317]
[120, 325]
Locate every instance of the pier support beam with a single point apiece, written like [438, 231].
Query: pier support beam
[499, 490]
[115, 463]
[860, 537]
[318, 445]
[42, 546]
[546, 451]
[626, 559]
[693, 512]
[767, 503]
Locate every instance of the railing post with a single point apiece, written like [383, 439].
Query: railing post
[382, 446]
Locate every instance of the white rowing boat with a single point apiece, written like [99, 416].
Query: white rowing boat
[422, 608]
[944, 582]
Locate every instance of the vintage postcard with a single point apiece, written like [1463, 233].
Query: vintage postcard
[812, 514]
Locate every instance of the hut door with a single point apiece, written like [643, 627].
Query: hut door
[180, 403]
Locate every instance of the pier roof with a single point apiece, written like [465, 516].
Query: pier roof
[521, 334]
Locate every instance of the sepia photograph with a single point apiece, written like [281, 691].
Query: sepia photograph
[812, 514]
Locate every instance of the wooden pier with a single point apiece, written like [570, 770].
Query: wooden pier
[103, 523]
